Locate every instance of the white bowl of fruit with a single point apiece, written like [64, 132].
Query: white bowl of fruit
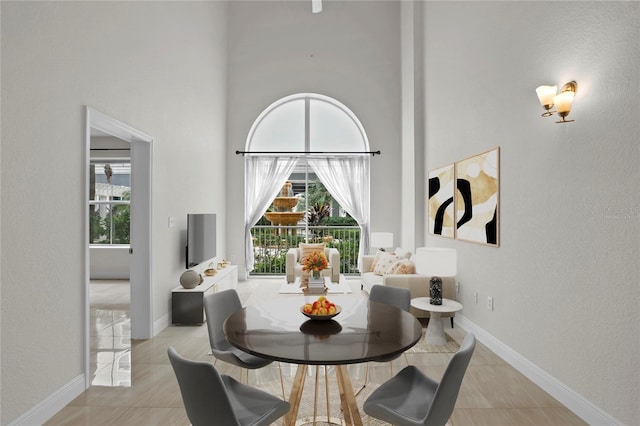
[321, 309]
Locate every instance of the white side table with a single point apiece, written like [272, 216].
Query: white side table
[435, 332]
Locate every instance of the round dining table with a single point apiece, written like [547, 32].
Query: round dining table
[363, 331]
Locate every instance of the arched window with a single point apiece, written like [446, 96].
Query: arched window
[320, 139]
[307, 122]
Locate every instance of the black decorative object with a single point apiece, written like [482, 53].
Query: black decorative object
[436, 263]
[435, 290]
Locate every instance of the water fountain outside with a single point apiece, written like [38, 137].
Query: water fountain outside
[284, 214]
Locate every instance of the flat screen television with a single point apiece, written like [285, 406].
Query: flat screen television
[201, 238]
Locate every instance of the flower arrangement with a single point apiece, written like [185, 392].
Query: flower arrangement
[315, 262]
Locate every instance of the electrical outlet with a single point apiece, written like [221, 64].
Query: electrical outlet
[476, 297]
[490, 303]
[457, 287]
[171, 222]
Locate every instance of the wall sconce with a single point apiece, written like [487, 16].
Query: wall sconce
[562, 101]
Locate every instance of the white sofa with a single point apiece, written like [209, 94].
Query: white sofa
[417, 284]
[293, 267]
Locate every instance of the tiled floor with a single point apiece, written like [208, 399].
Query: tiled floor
[110, 350]
[136, 385]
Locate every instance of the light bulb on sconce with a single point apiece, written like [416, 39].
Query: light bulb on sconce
[545, 95]
[562, 101]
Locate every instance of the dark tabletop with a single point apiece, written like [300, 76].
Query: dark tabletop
[363, 331]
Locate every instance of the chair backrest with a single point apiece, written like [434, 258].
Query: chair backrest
[327, 253]
[203, 392]
[396, 296]
[446, 394]
[217, 307]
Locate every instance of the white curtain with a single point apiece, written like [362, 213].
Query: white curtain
[263, 177]
[347, 179]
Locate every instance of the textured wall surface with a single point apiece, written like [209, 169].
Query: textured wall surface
[350, 51]
[157, 66]
[565, 280]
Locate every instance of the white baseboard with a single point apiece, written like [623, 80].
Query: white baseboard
[160, 324]
[55, 402]
[575, 402]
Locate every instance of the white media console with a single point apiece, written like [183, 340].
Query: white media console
[187, 304]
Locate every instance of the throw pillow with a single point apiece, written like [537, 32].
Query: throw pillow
[385, 260]
[391, 269]
[405, 267]
[375, 261]
[307, 249]
[405, 254]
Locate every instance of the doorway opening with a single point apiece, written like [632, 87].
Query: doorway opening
[138, 207]
[109, 261]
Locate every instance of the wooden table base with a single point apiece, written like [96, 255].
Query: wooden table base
[347, 398]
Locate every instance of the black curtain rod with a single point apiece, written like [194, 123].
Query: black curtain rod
[373, 153]
[110, 149]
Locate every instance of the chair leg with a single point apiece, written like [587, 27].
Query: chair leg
[315, 397]
[366, 374]
[281, 381]
[366, 379]
[326, 392]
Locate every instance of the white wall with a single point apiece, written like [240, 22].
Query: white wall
[109, 263]
[157, 66]
[350, 51]
[412, 169]
[565, 279]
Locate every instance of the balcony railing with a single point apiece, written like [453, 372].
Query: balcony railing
[271, 243]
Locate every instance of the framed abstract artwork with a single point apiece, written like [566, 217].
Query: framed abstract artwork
[477, 198]
[440, 202]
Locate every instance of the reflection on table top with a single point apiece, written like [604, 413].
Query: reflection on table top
[363, 331]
